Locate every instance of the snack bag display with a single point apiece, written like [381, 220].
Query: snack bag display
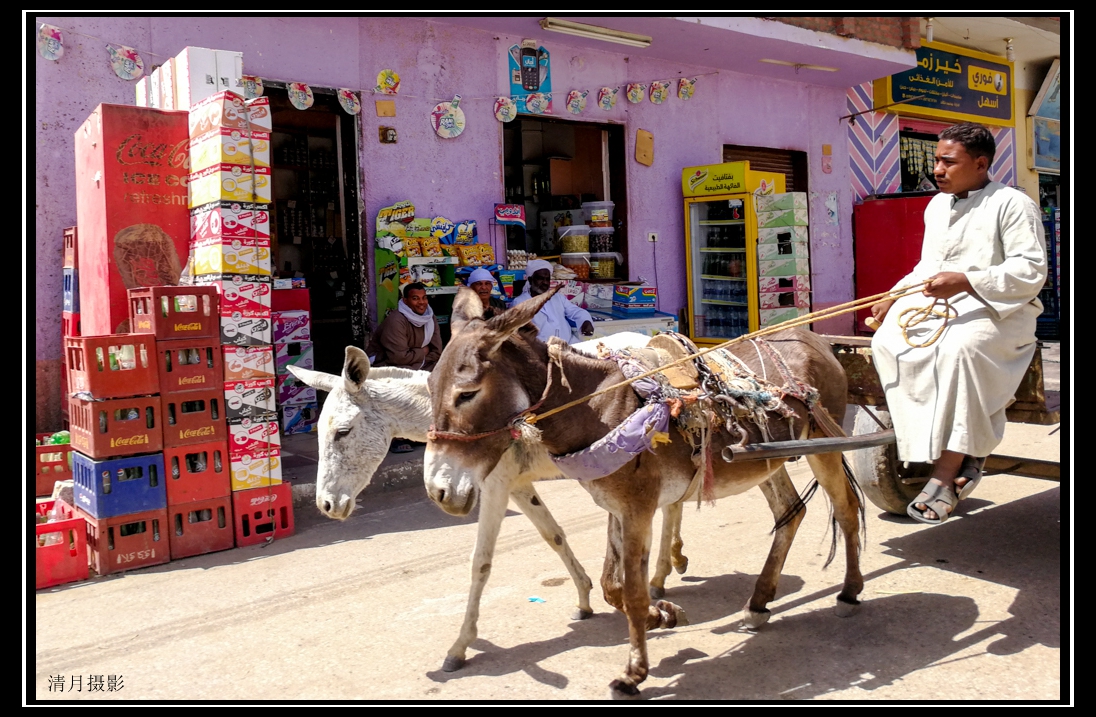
[466, 232]
[469, 255]
[432, 247]
[486, 253]
[426, 275]
[411, 247]
[442, 229]
[449, 250]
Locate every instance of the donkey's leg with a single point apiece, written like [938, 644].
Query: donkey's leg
[532, 505]
[612, 577]
[494, 497]
[830, 472]
[781, 496]
[669, 549]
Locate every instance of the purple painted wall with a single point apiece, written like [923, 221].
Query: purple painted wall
[459, 178]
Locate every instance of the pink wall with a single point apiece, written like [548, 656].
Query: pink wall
[459, 178]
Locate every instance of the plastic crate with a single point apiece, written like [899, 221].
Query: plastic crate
[70, 324]
[71, 290]
[260, 513]
[51, 464]
[127, 542]
[106, 429]
[185, 366]
[175, 312]
[66, 561]
[198, 472]
[194, 417]
[116, 486]
[113, 366]
[203, 526]
[70, 248]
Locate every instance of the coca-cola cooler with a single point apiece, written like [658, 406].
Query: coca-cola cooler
[888, 231]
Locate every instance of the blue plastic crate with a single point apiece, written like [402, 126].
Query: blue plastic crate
[71, 279]
[118, 486]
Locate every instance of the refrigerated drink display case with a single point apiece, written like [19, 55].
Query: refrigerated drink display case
[746, 251]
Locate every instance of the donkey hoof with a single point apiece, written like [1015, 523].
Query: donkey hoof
[755, 618]
[682, 566]
[846, 607]
[672, 615]
[452, 664]
[621, 690]
[580, 614]
[657, 593]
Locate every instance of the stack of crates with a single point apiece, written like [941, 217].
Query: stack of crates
[184, 321]
[229, 190]
[297, 402]
[783, 258]
[116, 426]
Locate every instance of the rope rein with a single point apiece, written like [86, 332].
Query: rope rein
[916, 316]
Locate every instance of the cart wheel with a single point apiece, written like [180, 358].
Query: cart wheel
[878, 471]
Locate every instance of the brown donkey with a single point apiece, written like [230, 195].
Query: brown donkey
[491, 372]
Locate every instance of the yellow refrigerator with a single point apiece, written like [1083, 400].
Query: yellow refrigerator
[721, 235]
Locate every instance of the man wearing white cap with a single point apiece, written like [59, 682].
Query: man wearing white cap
[558, 315]
[481, 281]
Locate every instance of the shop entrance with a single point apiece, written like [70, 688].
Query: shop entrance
[314, 221]
[553, 166]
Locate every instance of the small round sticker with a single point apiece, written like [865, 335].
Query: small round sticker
[300, 95]
[126, 63]
[606, 97]
[685, 87]
[51, 43]
[448, 119]
[536, 103]
[505, 109]
[349, 101]
[636, 92]
[253, 87]
[388, 82]
[660, 91]
[576, 101]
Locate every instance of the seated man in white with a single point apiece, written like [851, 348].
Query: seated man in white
[558, 315]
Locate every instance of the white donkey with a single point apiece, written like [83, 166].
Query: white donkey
[368, 406]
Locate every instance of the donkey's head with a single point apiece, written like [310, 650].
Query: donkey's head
[486, 376]
[362, 413]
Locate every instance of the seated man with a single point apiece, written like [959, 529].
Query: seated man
[408, 338]
[558, 315]
[984, 252]
[481, 281]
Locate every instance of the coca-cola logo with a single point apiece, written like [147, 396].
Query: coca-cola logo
[131, 441]
[260, 499]
[134, 150]
[197, 432]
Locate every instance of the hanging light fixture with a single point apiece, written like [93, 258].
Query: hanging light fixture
[928, 30]
[1010, 52]
[595, 32]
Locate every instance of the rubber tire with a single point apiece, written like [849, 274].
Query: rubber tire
[878, 471]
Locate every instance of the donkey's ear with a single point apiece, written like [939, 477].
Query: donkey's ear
[316, 379]
[355, 369]
[466, 306]
[514, 318]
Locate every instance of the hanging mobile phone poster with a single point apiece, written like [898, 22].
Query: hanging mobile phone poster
[1045, 125]
[530, 79]
[954, 83]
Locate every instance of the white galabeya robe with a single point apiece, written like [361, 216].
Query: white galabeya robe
[952, 395]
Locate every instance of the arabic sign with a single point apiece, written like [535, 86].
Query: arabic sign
[953, 83]
[728, 178]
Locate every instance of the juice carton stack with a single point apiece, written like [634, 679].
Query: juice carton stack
[783, 257]
[297, 402]
[229, 190]
[185, 322]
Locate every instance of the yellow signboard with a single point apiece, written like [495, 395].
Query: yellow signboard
[728, 178]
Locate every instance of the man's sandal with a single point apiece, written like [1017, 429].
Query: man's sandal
[972, 471]
[940, 499]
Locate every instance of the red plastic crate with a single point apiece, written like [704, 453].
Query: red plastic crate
[198, 472]
[203, 526]
[194, 417]
[51, 464]
[102, 429]
[259, 513]
[70, 249]
[70, 324]
[64, 562]
[175, 312]
[127, 542]
[112, 366]
[194, 365]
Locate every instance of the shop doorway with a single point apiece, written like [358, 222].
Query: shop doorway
[315, 225]
[553, 166]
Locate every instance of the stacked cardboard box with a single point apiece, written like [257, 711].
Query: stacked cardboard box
[782, 257]
[297, 402]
